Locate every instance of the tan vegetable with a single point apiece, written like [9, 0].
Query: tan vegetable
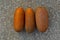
[41, 19]
[19, 19]
[29, 20]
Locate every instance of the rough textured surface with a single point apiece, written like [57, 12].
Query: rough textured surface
[7, 8]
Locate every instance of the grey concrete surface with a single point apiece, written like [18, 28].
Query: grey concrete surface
[7, 8]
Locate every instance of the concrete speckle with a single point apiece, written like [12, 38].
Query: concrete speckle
[7, 8]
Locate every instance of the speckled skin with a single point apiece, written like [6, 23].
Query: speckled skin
[7, 8]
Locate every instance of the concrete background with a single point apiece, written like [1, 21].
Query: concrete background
[7, 8]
